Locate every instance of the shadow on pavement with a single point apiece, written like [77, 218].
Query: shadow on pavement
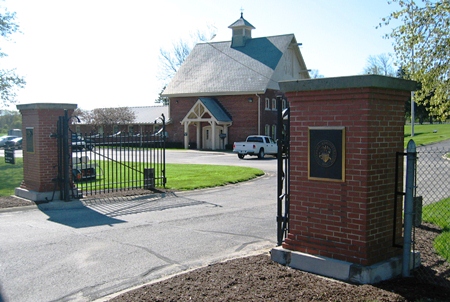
[76, 215]
[101, 211]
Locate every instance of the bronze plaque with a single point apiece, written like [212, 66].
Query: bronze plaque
[326, 153]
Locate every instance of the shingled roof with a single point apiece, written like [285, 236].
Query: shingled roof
[213, 69]
[216, 110]
[148, 114]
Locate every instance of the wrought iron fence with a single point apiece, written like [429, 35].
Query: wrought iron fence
[432, 219]
[117, 162]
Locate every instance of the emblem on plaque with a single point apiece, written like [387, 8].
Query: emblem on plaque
[325, 154]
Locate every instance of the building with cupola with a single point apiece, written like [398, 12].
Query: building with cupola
[225, 91]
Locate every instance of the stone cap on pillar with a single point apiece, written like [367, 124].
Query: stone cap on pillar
[51, 106]
[358, 81]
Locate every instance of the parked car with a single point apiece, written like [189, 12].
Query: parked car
[6, 138]
[15, 132]
[79, 143]
[258, 145]
[15, 143]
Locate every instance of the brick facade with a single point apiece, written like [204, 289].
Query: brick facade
[244, 115]
[350, 220]
[40, 164]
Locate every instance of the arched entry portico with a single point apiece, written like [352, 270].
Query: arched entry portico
[211, 121]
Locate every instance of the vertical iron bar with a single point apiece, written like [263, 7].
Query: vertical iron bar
[59, 136]
[396, 194]
[287, 172]
[163, 150]
[66, 156]
[280, 175]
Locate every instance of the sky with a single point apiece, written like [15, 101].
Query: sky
[105, 53]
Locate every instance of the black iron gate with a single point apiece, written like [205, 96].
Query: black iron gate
[283, 172]
[92, 164]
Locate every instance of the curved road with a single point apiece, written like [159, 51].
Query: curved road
[433, 172]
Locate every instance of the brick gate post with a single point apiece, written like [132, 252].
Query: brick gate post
[345, 133]
[40, 157]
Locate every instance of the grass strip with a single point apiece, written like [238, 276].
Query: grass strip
[179, 176]
[438, 214]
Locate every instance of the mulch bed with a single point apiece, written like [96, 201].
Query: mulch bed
[12, 202]
[257, 278]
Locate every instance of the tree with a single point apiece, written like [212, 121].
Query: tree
[10, 82]
[314, 74]
[101, 117]
[422, 47]
[161, 99]
[10, 119]
[380, 64]
[171, 59]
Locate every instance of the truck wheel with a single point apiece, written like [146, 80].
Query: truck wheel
[261, 153]
[241, 156]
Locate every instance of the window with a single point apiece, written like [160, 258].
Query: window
[267, 104]
[131, 130]
[267, 130]
[274, 132]
[274, 104]
[255, 139]
[284, 104]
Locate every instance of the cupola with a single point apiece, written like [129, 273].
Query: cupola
[242, 31]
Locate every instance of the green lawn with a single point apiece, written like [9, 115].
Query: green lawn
[189, 177]
[438, 214]
[179, 176]
[427, 134]
[10, 176]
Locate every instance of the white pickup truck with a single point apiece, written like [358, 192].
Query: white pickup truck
[259, 145]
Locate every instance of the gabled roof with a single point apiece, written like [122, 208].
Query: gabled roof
[216, 109]
[208, 109]
[213, 69]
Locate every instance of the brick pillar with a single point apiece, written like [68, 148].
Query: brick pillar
[346, 218]
[40, 157]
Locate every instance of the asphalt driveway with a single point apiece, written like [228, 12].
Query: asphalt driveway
[82, 251]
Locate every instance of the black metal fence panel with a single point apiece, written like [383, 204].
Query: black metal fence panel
[117, 162]
[432, 214]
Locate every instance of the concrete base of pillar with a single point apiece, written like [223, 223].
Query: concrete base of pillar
[38, 196]
[342, 270]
